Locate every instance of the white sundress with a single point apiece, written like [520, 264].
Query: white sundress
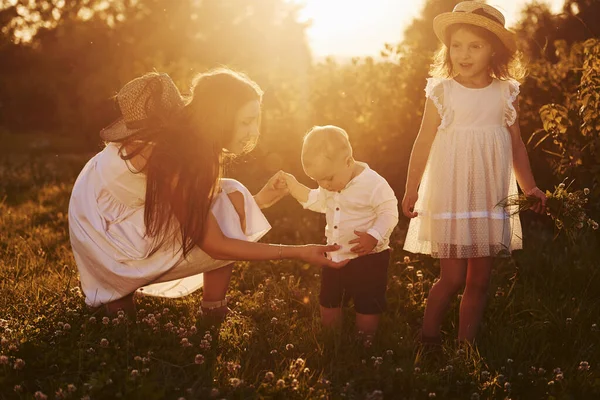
[468, 172]
[107, 233]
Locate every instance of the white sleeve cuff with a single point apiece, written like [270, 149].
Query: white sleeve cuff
[376, 235]
[313, 197]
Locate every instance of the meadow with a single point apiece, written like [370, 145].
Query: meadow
[539, 340]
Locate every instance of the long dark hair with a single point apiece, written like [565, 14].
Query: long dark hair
[184, 165]
[504, 65]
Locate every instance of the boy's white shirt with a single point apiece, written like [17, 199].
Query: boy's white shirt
[367, 204]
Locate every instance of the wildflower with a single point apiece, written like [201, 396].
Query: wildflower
[104, 343]
[594, 327]
[273, 352]
[399, 370]
[214, 392]
[59, 394]
[509, 361]
[269, 376]
[432, 395]
[19, 364]
[289, 347]
[3, 360]
[246, 336]
[193, 330]
[92, 320]
[71, 388]
[586, 191]
[280, 384]
[306, 370]
[18, 388]
[406, 259]
[410, 268]
[507, 386]
[40, 396]
[135, 373]
[235, 382]
[199, 359]
[273, 320]
[569, 321]
[583, 366]
[390, 352]
[185, 342]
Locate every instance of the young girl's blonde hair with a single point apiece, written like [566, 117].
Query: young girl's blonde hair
[504, 65]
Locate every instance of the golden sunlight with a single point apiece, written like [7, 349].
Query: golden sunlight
[349, 28]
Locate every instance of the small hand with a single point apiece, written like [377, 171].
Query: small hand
[540, 206]
[408, 203]
[365, 243]
[273, 191]
[317, 255]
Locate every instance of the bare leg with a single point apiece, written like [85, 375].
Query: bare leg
[452, 277]
[216, 282]
[127, 304]
[474, 297]
[331, 317]
[367, 323]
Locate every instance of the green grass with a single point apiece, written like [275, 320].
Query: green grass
[543, 315]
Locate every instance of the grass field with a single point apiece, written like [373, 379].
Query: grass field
[540, 338]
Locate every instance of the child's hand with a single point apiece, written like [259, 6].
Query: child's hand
[289, 179]
[365, 243]
[539, 207]
[408, 203]
[273, 191]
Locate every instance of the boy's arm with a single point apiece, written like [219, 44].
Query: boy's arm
[313, 199]
[385, 205]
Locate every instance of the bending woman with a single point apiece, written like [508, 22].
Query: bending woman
[150, 212]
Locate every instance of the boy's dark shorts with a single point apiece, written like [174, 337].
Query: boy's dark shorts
[363, 279]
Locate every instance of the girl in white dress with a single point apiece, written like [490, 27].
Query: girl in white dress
[150, 212]
[467, 157]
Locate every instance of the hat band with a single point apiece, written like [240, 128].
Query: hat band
[483, 13]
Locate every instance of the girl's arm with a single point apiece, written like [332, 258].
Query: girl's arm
[521, 164]
[221, 247]
[418, 157]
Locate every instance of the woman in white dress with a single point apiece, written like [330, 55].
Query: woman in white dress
[150, 212]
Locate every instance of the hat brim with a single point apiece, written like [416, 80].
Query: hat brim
[117, 131]
[445, 20]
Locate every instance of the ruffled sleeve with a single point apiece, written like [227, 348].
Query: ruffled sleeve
[434, 90]
[511, 92]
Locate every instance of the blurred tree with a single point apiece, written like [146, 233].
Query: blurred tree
[82, 51]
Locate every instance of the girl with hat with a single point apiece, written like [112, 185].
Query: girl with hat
[467, 157]
[150, 212]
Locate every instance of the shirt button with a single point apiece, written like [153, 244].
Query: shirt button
[335, 227]
[337, 209]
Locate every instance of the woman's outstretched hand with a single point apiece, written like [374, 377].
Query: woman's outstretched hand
[317, 255]
[274, 190]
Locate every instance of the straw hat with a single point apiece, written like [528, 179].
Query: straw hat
[145, 103]
[478, 14]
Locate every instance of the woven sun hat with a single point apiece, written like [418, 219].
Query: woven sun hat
[145, 103]
[478, 14]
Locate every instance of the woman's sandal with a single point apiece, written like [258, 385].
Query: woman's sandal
[215, 309]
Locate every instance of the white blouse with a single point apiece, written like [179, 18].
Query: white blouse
[367, 204]
[108, 236]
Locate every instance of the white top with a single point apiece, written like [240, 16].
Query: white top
[366, 204]
[468, 172]
[107, 232]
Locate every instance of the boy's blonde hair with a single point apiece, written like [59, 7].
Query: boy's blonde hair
[329, 142]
